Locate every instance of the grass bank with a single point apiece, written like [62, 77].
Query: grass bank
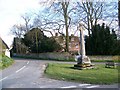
[5, 61]
[99, 75]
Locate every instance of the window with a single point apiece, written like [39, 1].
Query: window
[76, 46]
[72, 39]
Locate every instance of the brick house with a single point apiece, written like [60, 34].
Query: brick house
[74, 43]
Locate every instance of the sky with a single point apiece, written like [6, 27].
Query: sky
[10, 14]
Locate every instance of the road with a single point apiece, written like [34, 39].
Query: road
[26, 73]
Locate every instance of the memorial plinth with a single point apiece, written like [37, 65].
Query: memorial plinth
[83, 61]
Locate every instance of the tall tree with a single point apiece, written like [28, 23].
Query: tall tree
[95, 12]
[20, 29]
[58, 18]
[38, 42]
[19, 47]
[66, 17]
[90, 13]
[101, 41]
[33, 38]
[17, 30]
[27, 25]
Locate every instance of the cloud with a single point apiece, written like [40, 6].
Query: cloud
[11, 10]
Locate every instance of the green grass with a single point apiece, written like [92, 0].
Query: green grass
[5, 61]
[104, 60]
[98, 75]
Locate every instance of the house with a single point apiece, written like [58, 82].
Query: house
[74, 43]
[4, 49]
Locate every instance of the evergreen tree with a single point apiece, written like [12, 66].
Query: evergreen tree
[38, 42]
[102, 41]
[18, 46]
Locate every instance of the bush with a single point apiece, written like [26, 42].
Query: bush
[38, 42]
[5, 61]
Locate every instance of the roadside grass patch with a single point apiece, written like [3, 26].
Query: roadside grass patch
[98, 75]
[5, 61]
[115, 60]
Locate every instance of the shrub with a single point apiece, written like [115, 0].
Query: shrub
[5, 61]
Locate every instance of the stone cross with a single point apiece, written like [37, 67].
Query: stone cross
[82, 42]
[83, 59]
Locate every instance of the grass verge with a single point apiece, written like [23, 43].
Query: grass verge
[5, 61]
[116, 61]
[98, 75]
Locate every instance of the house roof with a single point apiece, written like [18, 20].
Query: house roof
[3, 44]
[60, 39]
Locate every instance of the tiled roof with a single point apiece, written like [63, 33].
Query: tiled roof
[61, 39]
[3, 45]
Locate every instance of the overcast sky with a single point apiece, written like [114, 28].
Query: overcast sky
[10, 13]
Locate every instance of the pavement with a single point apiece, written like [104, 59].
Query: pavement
[28, 73]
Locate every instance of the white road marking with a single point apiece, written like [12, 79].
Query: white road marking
[94, 86]
[3, 79]
[28, 62]
[84, 85]
[69, 87]
[20, 69]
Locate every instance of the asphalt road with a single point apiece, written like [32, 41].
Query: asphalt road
[26, 73]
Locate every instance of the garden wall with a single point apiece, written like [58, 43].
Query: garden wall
[62, 56]
[48, 56]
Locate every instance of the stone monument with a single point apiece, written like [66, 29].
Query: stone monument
[83, 61]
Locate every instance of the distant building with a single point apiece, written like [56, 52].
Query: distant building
[4, 49]
[74, 45]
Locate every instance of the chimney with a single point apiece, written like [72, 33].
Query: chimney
[72, 35]
[56, 34]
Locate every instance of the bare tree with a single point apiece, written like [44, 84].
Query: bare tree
[63, 15]
[27, 19]
[92, 13]
[20, 29]
[38, 23]
[89, 13]
[58, 18]
[17, 30]
[66, 17]
[110, 14]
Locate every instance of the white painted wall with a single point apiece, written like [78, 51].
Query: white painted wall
[7, 53]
